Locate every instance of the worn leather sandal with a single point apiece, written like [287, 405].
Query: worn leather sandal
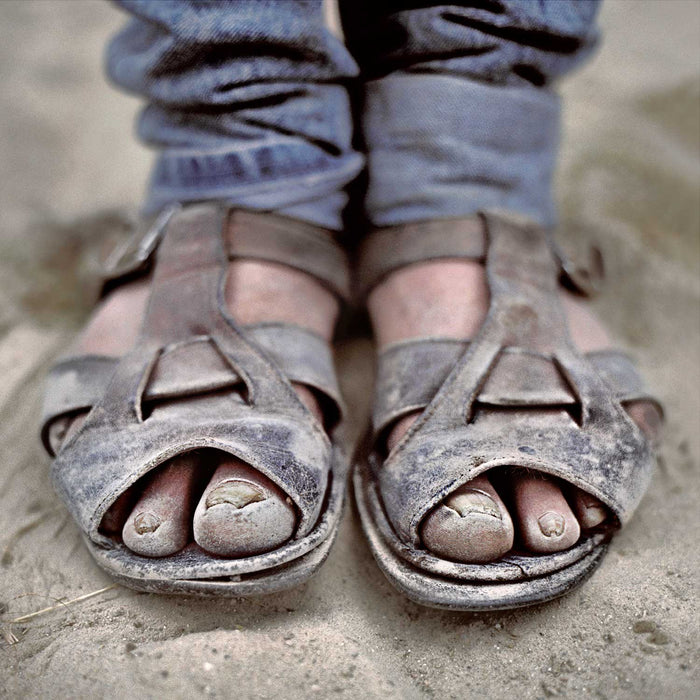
[481, 407]
[196, 380]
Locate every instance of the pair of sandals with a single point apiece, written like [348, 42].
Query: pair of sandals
[223, 387]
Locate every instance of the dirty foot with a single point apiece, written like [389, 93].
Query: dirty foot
[473, 524]
[239, 511]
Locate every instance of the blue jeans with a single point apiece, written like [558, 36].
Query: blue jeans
[255, 102]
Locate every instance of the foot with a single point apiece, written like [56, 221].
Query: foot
[239, 511]
[473, 524]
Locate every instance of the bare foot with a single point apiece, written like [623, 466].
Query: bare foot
[239, 511]
[450, 299]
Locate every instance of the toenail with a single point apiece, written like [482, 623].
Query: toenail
[236, 493]
[473, 502]
[551, 524]
[146, 522]
[592, 505]
[596, 510]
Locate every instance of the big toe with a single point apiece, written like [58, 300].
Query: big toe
[242, 512]
[471, 525]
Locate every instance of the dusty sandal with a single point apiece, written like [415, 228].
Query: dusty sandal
[483, 406]
[195, 380]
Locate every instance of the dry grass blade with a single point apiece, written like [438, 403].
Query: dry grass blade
[79, 599]
[9, 636]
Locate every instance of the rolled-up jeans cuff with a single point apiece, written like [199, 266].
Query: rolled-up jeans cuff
[444, 146]
[265, 178]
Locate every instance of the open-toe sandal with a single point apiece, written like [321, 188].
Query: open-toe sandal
[197, 381]
[487, 405]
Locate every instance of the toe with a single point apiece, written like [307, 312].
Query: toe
[590, 512]
[113, 520]
[544, 518]
[64, 428]
[472, 525]
[646, 415]
[242, 512]
[309, 400]
[159, 524]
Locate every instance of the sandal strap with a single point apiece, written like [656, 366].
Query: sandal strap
[387, 249]
[522, 357]
[619, 371]
[194, 367]
[247, 235]
[409, 374]
[384, 250]
[290, 242]
[303, 356]
[73, 385]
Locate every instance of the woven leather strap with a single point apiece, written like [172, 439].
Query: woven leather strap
[411, 372]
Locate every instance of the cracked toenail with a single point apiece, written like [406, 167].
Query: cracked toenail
[146, 522]
[236, 493]
[473, 502]
[551, 524]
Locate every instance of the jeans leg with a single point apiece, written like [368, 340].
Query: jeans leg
[459, 108]
[246, 103]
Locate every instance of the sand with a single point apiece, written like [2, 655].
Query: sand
[71, 175]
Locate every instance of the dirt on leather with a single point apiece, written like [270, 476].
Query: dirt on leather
[71, 175]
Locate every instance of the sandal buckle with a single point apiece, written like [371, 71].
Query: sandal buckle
[584, 278]
[134, 254]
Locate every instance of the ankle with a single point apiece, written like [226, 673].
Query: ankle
[450, 298]
[587, 332]
[446, 298]
[267, 292]
[115, 323]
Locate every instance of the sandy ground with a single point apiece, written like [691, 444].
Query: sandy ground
[630, 175]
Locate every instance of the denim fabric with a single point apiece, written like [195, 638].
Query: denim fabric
[247, 102]
[459, 112]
